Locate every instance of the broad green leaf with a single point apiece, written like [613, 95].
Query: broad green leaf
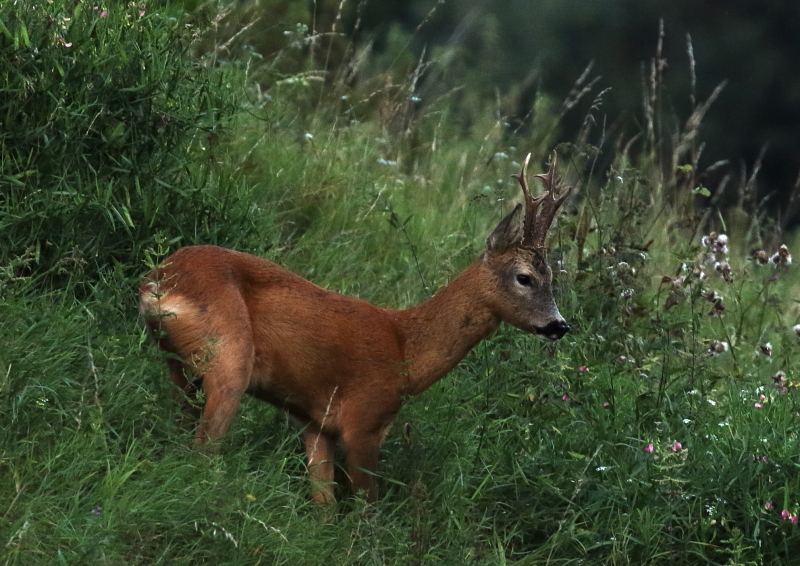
[24, 33]
[5, 31]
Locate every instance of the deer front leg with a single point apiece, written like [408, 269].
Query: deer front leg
[362, 454]
[320, 452]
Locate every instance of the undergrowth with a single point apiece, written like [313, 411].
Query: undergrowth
[661, 430]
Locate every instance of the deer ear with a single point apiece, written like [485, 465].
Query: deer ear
[507, 233]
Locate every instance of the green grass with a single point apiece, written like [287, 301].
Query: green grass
[527, 453]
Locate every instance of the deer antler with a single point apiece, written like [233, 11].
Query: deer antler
[537, 225]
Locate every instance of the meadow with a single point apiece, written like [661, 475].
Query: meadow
[662, 429]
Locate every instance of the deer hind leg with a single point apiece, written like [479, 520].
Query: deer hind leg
[320, 452]
[185, 393]
[225, 379]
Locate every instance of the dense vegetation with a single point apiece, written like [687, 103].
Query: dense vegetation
[661, 430]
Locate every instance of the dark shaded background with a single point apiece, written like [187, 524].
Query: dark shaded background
[529, 46]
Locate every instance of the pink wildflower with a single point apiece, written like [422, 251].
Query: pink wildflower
[768, 505]
[784, 514]
[583, 368]
[104, 13]
[676, 446]
[648, 448]
[565, 397]
[757, 405]
[793, 519]
[606, 404]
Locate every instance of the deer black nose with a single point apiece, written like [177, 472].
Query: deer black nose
[555, 330]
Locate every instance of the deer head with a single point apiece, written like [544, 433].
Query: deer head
[516, 255]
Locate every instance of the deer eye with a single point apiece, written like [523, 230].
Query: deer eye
[523, 279]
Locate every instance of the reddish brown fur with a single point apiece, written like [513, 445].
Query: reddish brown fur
[339, 365]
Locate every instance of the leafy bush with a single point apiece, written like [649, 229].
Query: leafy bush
[109, 136]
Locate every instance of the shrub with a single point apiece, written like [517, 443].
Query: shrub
[108, 137]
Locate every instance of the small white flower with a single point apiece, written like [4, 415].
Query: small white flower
[724, 269]
[717, 347]
[796, 329]
[308, 136]
[782, 256]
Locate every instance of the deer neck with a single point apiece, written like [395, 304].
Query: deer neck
[442, 330]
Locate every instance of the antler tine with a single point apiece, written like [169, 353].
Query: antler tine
[531, 203]
[550, 203]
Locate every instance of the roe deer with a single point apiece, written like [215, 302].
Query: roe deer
[340, 366]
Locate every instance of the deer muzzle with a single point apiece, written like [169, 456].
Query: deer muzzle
[554, 330]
